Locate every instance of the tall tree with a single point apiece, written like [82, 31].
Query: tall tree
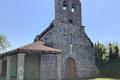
[116, 51]
[100, 52]
[113, 51]
[110, 51]
[3, 42]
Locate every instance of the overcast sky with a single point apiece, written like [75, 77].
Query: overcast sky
[22, 20]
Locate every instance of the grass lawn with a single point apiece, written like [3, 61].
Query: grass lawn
[103, 79]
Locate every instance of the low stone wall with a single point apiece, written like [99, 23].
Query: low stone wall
[2, 78]
[32, 67]
[11, 78]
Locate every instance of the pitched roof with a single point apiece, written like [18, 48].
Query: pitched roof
[38, 37]
[38, 47]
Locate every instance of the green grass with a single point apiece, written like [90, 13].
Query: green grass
[103, 79]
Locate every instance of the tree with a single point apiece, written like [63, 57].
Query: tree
[4, 44]
[113, 51]
[110, 51]
[116, 51]
[108, 59]
[100, 50]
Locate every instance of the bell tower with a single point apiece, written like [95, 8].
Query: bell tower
[67, 34]
[68, 11]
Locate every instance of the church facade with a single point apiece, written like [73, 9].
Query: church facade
[63, 51]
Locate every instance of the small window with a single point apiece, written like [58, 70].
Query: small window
[64, 8]
[64, 5]
[73, 10]
[70, 21]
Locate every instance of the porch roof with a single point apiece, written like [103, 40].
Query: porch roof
[38, 47]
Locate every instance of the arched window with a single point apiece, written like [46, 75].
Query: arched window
[64, 5]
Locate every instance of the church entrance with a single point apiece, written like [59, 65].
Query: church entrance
[70, 69]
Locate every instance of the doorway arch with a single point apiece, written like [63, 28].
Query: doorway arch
[70, 69]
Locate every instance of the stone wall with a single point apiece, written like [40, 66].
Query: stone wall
[40, 67]
[9, 67]
[82, 49]
[32, 67]
[4, 67]
[68, 11]
[48, 67]
[1, 67]
[69, 35]
[13, 67]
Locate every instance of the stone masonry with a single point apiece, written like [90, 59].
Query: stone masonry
[67, 34]
[63, 51]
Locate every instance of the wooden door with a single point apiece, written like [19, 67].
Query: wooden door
[70, 69]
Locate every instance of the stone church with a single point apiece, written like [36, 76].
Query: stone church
[63, 51]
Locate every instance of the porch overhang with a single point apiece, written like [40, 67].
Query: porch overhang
[36, 47]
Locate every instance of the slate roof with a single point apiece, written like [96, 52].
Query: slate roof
[38, 47]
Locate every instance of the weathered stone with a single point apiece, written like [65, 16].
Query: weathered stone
[82, 48]
[69, 35]
[59, 62]
[48, 67]
[32, 67]
[0, 67]
[65, 33]
[13, 67]
[8, 67]
[20, 66]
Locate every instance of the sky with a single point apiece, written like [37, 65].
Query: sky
[22, 20]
